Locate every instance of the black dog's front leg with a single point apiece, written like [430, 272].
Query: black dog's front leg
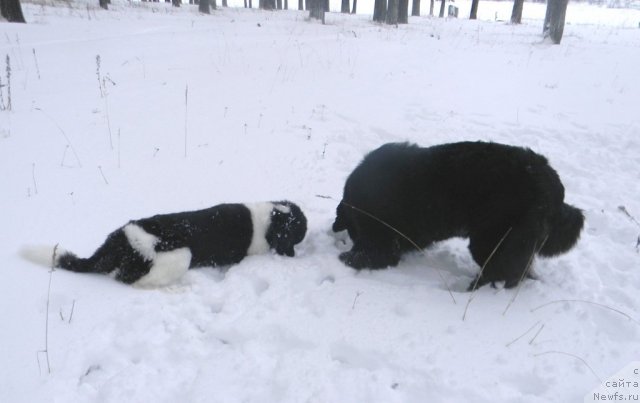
[370, 256]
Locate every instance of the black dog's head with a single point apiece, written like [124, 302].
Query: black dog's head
[288, 227]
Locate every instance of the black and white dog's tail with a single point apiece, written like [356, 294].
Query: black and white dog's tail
[69, 261]
[55, 257]
[564, 232]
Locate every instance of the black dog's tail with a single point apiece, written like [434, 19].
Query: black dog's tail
[564, 232]
[340, 223]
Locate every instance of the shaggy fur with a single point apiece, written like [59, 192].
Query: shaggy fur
[483, 191]
[156, 251]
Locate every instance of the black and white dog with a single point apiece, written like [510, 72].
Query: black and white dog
[507, 200]
[156, 251]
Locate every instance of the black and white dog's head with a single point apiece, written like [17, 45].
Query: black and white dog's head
[287, 227]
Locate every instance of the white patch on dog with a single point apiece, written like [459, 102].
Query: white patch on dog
[42, 255]
[140, 240]
[261, 219]
[282, 208]
[166, 269]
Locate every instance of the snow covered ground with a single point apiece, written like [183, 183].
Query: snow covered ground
[243, 106]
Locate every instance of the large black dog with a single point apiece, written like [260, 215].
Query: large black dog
[507, 200]
[158, 250]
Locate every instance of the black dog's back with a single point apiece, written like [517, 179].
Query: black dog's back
[473, 189]
[435, 193]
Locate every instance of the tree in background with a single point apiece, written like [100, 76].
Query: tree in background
[380, 10]
[516, 13]
[415, 9]
[344, 7]
[355, 3]
[11, 10]
[474, 9]
[392, 12]
[442, 9]
[203, 7]
[403, 11]
[554, 20]
[267, 4]
[316, 9]
[104, 4]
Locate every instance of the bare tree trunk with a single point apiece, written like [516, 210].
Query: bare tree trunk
[355, 3]
[432, 5]
[380, 10]
[392, 12]
[547, 17]
[224, 3]
[103, 4]
[554, 20]
[403, 11]
[301, 5]
[316, 9]
[415, 9]
[203, 7]
[279, 4]
[345, 7]
[12, 10]
[516, 13]
[175, 3]
[474, 10]
[442, 9]
[267, 4]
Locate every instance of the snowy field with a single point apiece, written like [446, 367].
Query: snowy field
[242, 106]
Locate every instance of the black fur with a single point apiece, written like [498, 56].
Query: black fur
[217, 236]
[286, 229]
[471, 189]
